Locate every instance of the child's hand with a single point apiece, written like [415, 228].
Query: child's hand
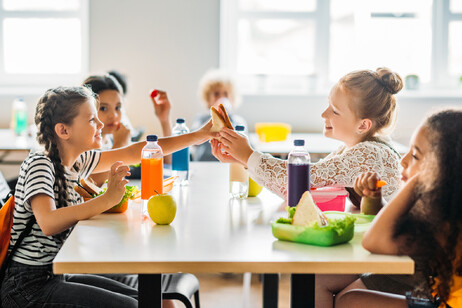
[366, 185]
[116, 183]
[162, 106]
[219, 154]
[121, 136]
[236, 145]
[205, 133]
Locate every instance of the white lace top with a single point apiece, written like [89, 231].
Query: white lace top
[340, 168]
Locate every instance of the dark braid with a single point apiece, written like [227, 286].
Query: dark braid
[59, 105]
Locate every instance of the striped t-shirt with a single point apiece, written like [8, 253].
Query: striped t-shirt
[37, 176]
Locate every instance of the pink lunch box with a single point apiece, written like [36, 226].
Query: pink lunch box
[330, 198]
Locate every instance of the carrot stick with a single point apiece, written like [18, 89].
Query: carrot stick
[380, 183]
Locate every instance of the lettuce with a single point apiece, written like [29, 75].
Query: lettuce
[291, 211]
[337, 225]
[130, 193]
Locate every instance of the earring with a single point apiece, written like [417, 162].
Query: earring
[360, 132]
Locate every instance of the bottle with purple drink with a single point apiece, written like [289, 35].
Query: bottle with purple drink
[298, 172]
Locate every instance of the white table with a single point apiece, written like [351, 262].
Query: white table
[318, 145]
[10, 143]
[212, 233]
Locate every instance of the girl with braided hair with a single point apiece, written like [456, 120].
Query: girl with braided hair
[361, 107]
[70, 131]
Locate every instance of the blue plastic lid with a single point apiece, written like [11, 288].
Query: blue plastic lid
[151, 138]
[240, 128]
[299, 142]
[180, 120]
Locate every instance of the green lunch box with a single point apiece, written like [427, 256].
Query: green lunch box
[319, 236]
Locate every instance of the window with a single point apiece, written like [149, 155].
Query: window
[43, 43]
[302, 46]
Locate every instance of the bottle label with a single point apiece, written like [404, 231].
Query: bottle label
[180, 160]
[298, 182]
[151, 177]
[20, 122]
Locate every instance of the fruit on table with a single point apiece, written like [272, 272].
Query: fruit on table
[254, 188]
[371, 205]
[162, 209]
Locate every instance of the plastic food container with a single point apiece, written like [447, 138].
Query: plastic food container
[268, 132]
[330, 198]
[319, 236]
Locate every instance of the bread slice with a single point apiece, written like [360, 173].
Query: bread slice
[217, 120]
[225, 116]
[307, 212]
[91, 188]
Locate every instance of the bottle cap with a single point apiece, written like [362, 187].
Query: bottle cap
[151, 138]
[239, 128]
[299, 142]
[180, 120]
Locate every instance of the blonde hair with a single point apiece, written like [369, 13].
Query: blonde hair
[374, 96]
[217, 78]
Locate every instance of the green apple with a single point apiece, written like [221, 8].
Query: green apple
[162, 209]
[254, 188]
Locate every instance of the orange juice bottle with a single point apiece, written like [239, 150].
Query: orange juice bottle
[151, 168]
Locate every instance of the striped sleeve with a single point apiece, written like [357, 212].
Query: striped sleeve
[39, 179]
[87, 162]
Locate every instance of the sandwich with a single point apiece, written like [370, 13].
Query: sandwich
[89, 190]
[307, 212]
[220, 119]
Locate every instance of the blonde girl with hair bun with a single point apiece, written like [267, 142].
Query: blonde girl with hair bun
[362, 105]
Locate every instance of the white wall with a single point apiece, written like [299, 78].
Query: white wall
[169, 45]
[158, 44]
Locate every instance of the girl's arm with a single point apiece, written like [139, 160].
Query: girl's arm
[53, 221]
[379, 237]
[132, 154]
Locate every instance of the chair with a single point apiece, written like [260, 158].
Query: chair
[181, 286]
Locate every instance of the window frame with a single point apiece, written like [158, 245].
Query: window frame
[230, 15]
[9, 80]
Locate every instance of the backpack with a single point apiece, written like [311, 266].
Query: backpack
[6, 222]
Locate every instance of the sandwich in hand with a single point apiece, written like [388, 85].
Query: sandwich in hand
[307, 212]
[88, 190]
[220, 119]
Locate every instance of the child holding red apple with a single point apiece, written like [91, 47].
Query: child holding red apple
[70, 132]
[110, 95]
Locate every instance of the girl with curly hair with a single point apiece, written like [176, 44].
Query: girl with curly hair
[424, 220]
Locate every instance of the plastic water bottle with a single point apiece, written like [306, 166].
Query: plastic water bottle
[238, 177]
[298, 172]
[19, 117]
[152, 181]
[180, 159]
